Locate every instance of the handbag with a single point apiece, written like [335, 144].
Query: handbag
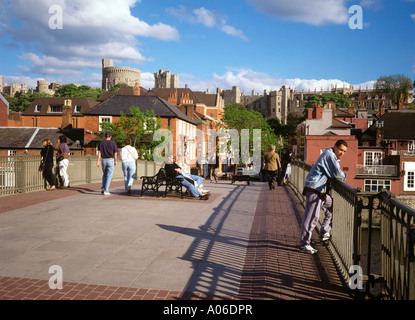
[60, 159]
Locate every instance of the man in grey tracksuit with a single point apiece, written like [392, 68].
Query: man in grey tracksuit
[326, 167]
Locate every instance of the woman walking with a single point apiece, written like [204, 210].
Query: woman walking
[47, 160]
[128, 155]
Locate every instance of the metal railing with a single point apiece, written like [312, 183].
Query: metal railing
[377, 170]
[20, 174]
[372, 231]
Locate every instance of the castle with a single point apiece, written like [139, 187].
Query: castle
[163, 79]
[112, 76]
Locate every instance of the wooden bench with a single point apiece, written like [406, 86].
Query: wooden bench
[154, 183]
[241, 177]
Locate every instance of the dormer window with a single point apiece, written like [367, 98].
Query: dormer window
[38, 107]
[77, 109]
[55, 109]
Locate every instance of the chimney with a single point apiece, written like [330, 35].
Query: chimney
[310, 113]
[350, 109]
[172, 98]
[137, 89]
[319, 112]
[400, 102]
[67, 114]
[379, 133]
[382, 108]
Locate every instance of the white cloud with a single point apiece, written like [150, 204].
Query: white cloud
[87, 27]
[208, 18]
[248, 80]
[316, 12]
[413, 16]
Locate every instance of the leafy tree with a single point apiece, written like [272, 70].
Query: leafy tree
[236, 116]
[118, 87]
[341, 100]
[396, 84]
[73, 91]
[20, 104]
[139, 126]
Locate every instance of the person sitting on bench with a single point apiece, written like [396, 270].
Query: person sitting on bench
[174, 171]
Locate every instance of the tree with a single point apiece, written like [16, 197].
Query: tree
[73, 91]
[139, 126]
[236, 116]
[341, 100]
[20, 104]
[396, 85]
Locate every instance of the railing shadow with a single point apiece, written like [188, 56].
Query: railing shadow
[217, 255]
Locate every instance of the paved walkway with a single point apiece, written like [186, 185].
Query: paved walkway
[240, 244]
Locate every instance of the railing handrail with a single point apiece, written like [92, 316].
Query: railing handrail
[351, 209]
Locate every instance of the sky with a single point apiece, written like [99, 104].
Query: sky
[253, 44]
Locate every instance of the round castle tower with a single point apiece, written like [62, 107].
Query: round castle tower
[112, 76]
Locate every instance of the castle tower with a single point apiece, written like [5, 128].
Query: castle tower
[112, 76]
[163, 79]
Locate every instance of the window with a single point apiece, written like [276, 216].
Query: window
[373, 158]
[104, 119]
[11, 153]
[77, 109]
[38, 107]
[411, 147]
[377, 185]
[55, 109]
[410, 181]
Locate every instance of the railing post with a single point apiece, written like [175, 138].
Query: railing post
[411, 262]
[19, 174]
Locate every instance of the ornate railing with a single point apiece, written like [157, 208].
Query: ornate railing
[371, 232]
[19, 174]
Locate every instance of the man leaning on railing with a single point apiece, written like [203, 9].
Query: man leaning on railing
[326, 167]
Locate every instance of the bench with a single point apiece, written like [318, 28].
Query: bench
[241, 177]
[154, 183]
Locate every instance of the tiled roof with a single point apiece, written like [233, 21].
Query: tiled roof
[85, 104]
[399, 125]
[29, 138]
[116, 104]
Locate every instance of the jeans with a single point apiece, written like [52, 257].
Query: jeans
[107, 169]
[190, 186]
[129, 173]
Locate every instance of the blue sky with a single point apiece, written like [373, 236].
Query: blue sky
[253, 44]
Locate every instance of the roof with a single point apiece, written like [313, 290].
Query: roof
[116, 104]
[398, 125]
[85, 104]
[30, 138]
[2, 98]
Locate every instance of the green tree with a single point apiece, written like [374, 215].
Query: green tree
[73, 91]
[236, 116]
[20, 104]
[341, 100]
[396, 85]
[139, 126]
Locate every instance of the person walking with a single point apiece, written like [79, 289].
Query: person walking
[272, 166]
[315, 189]
[107, 157]
[128, 156]
[47, 159]
[62, 160]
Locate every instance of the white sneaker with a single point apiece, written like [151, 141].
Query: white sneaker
[107, 193]
[308, 249]
[325, 236]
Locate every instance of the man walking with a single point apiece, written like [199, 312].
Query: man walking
[326, 167]
[107, 151]
[272, 166]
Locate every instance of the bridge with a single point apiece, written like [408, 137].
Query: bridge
[240, 244]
